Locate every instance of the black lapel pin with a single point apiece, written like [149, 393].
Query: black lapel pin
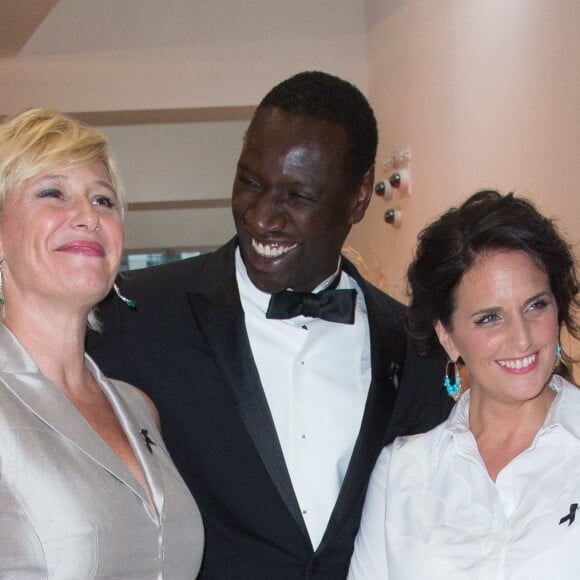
[148, 440]
[571, 516]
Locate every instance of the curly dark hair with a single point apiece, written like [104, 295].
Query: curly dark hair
[329, 98]
[449, 247]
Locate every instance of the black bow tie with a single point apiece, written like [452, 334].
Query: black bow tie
[332, 305]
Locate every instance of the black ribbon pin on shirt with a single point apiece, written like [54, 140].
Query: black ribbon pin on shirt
[571, 516]
[148, 441]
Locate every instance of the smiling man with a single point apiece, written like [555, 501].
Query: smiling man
[279, 373]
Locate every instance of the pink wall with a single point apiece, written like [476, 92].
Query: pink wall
[486, 95]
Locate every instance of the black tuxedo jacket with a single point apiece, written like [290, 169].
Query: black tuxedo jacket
[186, 345]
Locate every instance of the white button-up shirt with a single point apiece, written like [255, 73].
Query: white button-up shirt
[433, 513]
[316, 376]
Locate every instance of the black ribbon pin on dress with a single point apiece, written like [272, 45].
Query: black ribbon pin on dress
[571, 516]
[148, 441]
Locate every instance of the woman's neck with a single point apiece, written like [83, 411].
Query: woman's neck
[55, 341]
[503, 431]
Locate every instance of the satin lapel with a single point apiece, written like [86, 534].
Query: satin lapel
[220, 318]
[385, 354]
[133, 431]
[21, 376]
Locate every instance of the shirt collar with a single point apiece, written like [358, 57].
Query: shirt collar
[246, 286]
[564, 410]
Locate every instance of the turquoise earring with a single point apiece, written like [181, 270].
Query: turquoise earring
[453, 388]
[558, 356]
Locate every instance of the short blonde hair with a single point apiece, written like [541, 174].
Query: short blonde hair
[39, 140]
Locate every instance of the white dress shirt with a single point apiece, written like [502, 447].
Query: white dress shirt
[432, 512]
[316, 375]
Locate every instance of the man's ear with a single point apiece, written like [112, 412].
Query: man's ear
[363, 196]
[446, 340]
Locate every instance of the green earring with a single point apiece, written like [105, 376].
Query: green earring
[130, 303]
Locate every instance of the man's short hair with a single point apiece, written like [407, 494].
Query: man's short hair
[329, 98]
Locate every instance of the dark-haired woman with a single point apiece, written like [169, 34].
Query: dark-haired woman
[493, 492]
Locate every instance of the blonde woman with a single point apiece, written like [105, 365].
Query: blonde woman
[87, 489]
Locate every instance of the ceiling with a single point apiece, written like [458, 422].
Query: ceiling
[19, 21]
[168, 61]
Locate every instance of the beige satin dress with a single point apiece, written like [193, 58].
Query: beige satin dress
[69, 508]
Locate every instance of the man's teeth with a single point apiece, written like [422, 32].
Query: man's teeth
[520, 363]
[271, 251]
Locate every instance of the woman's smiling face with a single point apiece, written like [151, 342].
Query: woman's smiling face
[504, 327]
[61, 237]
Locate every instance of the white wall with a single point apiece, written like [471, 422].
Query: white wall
[178, 161]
